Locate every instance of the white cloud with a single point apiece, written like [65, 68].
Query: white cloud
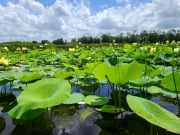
[31, 20]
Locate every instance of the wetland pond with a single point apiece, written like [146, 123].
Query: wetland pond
[82, 119]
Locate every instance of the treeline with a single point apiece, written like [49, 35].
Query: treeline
[134, 37]
[143, 37]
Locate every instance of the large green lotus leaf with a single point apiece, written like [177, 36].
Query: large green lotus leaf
[80, 73]
[144, 81]
[21, 111]
[90, 67]
[110, 109]
[4, 81]
[62, 74]
[140, 81]
[167, 82]
[36, 69]
[154, 114]
[45, 93]
[119, 74]
[154, 89]
[171, 94]
[167, 71]
[11, 75]
[96, 100]
[70, 67]
[29, 77]
[112, 61]
[2, 123]
[62, 57]
[74, 98]
[154, 72]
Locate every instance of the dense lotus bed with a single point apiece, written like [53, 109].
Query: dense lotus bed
[130, 89]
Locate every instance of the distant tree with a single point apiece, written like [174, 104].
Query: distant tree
[34, 42]
[106, 38]
[73, 40]
[44, 41]
[96, 40]
[58, 41]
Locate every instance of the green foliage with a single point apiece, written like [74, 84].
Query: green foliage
[168, 82]
[119, 74]
[110, 109]
[154, 114]
[39, 95]
[96, 100]
[2, 123]
[74, 98]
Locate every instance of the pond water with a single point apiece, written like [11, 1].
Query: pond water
[85, 120]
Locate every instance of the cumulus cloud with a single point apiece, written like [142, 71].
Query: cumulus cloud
[31, 20]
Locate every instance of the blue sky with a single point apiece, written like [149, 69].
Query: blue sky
[51, 19]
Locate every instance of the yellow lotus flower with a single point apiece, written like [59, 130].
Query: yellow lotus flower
[5, 48]
[18, 49]
[24, 48]
[153, 50]
[71, 49]
[4, 61]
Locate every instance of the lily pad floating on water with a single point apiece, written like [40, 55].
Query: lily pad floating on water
[74, 98]
[30, 76]
[96, 100]
[154, 114]
[110, 109]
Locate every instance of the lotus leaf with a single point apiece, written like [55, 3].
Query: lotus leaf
[96, 100]
[110, 109]
[167, 82]
[29, 77]
[45, 93]
[154, 114]
[74, 98]
[90, 67]
[21, 111]
[11, 75]
[154, 89]
[119, 74]
[62, 74]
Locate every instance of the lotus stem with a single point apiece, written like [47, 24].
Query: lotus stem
[32, 123]
[151, 130]
[112, 87]
[174, 80]
[119, 94]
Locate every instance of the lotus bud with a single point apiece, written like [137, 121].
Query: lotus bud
[71, 49]
[173, 44]
[153, 50]
[18, 49]
[114, 41]
[167, 42]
